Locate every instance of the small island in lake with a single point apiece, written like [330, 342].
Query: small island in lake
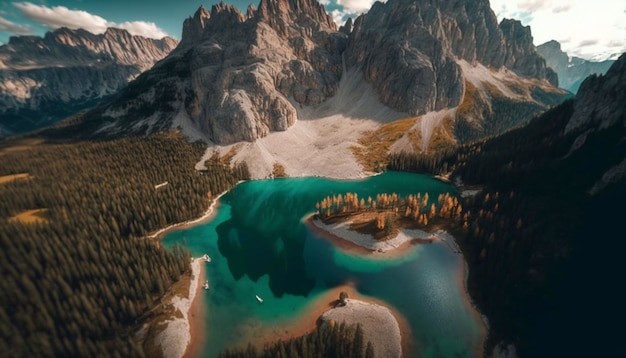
[388, 221]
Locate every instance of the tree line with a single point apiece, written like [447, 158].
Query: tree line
[420, 209]
[77, 285]
[326, 341]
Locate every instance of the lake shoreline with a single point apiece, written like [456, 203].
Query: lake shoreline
[308, 321]
[195, 316]
[203, 219]
[174, 329]
[355, 244]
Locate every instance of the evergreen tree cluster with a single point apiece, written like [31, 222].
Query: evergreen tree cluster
[76, 285]
[327, 341]
[531, 235]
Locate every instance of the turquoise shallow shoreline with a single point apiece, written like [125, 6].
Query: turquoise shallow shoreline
[260, 246]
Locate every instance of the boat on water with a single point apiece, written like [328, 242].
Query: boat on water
[205, 285]
[259, 298]
[206, 258]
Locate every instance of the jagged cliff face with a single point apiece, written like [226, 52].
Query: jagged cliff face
[409, 50]
[571, 71]
[239, 76]
[44, 79]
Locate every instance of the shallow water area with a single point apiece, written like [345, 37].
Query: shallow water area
[260, 245]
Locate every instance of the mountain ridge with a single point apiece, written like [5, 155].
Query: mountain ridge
[44, 79]
[572, 71]
[242, 76]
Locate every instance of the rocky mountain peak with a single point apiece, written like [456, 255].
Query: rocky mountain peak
[251, 11]
[280, 14]
[224, 15]
[409, 50]
[572, 71]
[193, 27]
[521, 55]
[347, 27]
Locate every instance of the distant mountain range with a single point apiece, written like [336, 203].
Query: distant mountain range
[571, 70]
[238, 77]
[43, 80]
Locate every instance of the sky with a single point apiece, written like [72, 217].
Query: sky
[591, 29]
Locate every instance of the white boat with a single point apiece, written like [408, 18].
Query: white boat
[259, 299]
[206, 258]
[205, 285]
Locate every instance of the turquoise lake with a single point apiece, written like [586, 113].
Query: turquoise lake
[259, 245]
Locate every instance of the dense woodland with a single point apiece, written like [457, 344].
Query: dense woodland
[77, 284]
[543, 250]
[327, 341]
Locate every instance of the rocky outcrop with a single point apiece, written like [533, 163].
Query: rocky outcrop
[521, 55]
[572, 71]
[408, 50]
[45, 79]
[600, 100]
[244, 75]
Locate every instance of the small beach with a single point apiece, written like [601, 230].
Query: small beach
[349, 240]
[175, 338]
[371, 313]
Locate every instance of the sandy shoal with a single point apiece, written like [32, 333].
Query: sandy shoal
[176, 337]
[308, 321]
[361, 244]
[195, 316]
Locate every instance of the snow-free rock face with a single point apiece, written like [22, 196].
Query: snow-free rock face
[238, 77]
[408, 50]
[45, 79]
[571, 71]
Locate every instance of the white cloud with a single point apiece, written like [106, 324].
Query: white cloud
[533, 5]
[355, 6]
[338, 17]
[587, 29]
[15, 29]
[146, 29]
[60, 16]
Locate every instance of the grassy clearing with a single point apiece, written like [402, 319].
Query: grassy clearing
[374, 145]
[12, 177]
[35, 216]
